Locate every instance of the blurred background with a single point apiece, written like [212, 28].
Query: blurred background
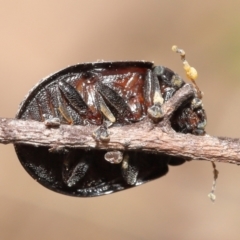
[41, 37]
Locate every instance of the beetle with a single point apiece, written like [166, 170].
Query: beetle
[105, 94]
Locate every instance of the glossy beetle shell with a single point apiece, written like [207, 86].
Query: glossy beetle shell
[76, 95]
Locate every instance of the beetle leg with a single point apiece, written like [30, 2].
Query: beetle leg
[114, 157]
[101, 133]
[155, 111]
[203, 119]
[73, 97]
[105, 110]
[197, 106]
[62, 109]
[52, 122]
[73, 172]
[196, 103]
[129, 171]
[169, 93]
[115, 100]
[148, 88]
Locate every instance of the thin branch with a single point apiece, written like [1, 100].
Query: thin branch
[141, 136]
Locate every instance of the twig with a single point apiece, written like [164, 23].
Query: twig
[141, 136]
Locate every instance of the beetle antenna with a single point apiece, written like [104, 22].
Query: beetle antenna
[212, 195]
[190, 71]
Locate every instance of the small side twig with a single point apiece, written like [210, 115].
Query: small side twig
[141, 136]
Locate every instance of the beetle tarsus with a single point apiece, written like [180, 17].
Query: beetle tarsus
[114, 157]
[52, 122]
[129, 171]
[101, 134]
[155, 112]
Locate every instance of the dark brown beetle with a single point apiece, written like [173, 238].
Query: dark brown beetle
[103, 94]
